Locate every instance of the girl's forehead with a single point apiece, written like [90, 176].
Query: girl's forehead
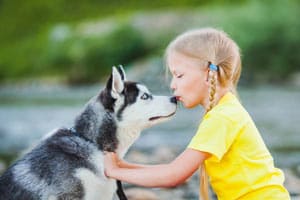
[177, 62]
[177, 69]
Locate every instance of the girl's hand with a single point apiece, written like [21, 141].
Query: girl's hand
[110, 163]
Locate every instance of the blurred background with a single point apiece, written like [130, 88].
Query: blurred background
[55, 55]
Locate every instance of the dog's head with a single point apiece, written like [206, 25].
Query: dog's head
[132, 103]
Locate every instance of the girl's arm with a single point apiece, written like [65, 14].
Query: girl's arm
[124, 164]
[164, 175]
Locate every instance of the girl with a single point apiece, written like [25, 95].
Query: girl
[205, 66]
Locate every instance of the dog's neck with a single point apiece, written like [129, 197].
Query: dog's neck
[126, 137]
[102, 130]
[98, 126]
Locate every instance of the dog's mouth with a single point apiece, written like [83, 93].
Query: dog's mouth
[159, 117]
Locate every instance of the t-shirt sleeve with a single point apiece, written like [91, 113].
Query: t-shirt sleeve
[215, 135]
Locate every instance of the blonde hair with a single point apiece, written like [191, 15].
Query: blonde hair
[211, 46]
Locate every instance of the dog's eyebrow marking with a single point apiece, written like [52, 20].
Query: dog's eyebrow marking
[143, 88]
[131, 93]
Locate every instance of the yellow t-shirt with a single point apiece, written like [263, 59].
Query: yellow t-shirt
[241, 166]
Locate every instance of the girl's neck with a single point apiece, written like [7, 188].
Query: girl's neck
[221, 91]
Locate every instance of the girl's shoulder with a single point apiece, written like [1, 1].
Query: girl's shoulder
[230, 108]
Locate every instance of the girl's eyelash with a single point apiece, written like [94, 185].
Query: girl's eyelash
[179, 76]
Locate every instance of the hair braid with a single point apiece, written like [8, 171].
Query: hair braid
[212, 75]
[203, 183]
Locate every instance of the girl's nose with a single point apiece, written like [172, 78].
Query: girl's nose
[172, 84]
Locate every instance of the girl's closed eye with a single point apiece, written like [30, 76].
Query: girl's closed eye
[179, 76]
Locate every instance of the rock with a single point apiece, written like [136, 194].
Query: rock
[292, 183]
[136, 156]
[161, 154]
[164, 154]
[140, 194]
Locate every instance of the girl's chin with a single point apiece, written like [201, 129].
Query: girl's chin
[188, 104]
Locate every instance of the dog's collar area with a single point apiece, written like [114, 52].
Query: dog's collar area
[74, 132]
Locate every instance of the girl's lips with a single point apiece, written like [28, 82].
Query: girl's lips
[178, 98]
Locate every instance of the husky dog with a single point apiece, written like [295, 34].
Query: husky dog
[68, 164]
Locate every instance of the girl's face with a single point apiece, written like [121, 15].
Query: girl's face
[189, 80]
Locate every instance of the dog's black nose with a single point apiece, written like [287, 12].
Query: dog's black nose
[173, 100]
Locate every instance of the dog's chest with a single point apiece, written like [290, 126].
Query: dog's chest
[95, 184]
[95, 187]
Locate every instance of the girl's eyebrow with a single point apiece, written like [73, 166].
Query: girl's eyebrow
[176, 72]
[173, 72]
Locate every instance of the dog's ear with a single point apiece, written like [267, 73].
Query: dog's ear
[122, 72]
[117, 82]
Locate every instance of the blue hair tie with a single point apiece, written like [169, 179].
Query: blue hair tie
[213, 67]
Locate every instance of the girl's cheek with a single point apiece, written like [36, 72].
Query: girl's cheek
[172, 84]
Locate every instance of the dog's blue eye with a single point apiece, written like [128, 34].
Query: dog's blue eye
[145, 96]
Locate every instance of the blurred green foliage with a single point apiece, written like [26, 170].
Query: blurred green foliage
[25, 34]
[84, 58]
[268, 35]
[43, 38]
